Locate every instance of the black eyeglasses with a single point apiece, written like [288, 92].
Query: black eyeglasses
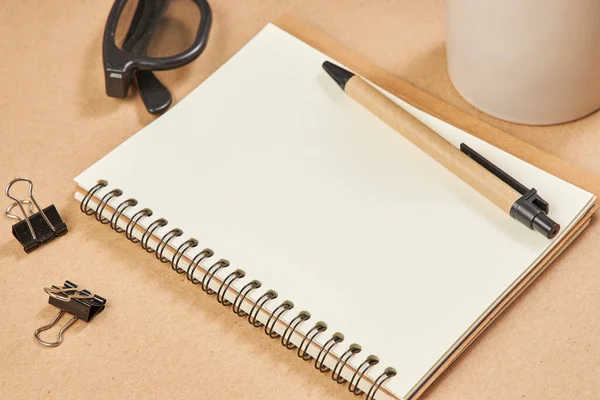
[151, 28]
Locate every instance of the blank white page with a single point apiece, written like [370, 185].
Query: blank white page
[272, 166]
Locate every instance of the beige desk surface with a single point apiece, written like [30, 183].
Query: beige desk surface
[163, 338]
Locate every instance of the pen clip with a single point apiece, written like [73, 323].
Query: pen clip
[532, 197]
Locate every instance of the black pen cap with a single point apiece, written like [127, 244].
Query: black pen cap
[545, 225]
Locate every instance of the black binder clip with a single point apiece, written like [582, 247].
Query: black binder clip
[82, 304]
[37, 228]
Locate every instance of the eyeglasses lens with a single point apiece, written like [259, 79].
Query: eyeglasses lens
[157, 28]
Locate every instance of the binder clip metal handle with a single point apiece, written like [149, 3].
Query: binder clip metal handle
[50, 325]
[9, 213]
[81, 304]
[37, 228]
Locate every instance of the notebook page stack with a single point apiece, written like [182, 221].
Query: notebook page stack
[270, 165]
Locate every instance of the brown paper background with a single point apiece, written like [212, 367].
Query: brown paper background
[161, 337]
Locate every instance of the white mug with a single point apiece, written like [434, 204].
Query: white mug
[526, 61]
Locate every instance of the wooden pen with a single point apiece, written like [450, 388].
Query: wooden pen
[516, 200]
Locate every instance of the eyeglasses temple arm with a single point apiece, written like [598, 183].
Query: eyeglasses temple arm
[155, 95]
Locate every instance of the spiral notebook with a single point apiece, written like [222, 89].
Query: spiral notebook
[314, 220]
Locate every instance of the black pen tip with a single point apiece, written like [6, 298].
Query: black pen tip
[339, 74]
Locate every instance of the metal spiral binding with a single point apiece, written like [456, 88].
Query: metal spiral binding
[277, 313]
[159, 223]
[185, 246]
[164, 242]
[308, 338]
[114, 220]
[343, 360]
[229, 279]
[146, 212]
[102, 205]
[216, 267]
[360, 372]
[324, 352]
[244, 291]
[381, 379]
[88, 196]
[259, 304]
[203, 255]
[298, 319]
